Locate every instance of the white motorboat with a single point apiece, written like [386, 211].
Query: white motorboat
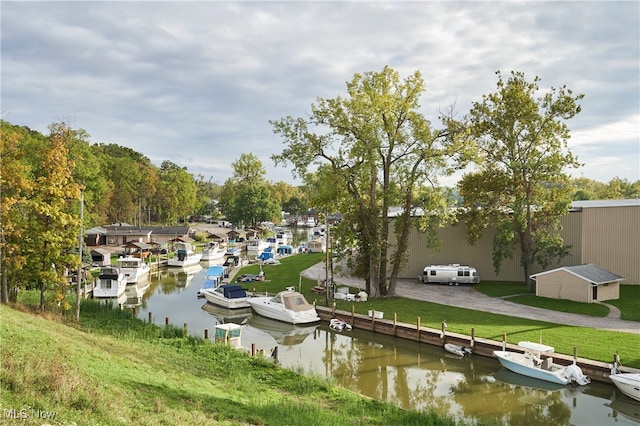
[231, 296]
[233, 251]
[286, 306]
[256, 246]
[627, 383]
[134, 268]
[212, 251]
[531, 364]
[184, 256]
[111, 283]
[457, 349]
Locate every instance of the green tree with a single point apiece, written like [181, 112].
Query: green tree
[53, 224]
[246, 198]
[176, 191]
[378, 149]
[15, 188]
[521, 187]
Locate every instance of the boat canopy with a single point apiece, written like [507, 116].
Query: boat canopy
[295, 301]
[233, 291]
[536, 347]
[215, 271]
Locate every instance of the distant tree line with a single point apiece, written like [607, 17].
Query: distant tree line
[43, 176]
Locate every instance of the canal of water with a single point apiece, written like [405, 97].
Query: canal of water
[405, 373]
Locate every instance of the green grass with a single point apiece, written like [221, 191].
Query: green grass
[590, 309]
[114, 370]
[628, 303]
[592, 343]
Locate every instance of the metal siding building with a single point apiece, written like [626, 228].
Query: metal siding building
[606, 236]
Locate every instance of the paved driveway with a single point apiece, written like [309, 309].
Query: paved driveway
[468, 297]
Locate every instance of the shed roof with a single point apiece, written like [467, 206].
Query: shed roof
[589, 272]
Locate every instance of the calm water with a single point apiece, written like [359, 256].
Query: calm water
[408, 374]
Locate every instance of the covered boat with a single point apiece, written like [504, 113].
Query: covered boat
[231, 296]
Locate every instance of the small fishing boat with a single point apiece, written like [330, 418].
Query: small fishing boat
[457, 349]
[339, 325]
[531, 364]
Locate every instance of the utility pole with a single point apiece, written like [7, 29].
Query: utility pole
[80, 268]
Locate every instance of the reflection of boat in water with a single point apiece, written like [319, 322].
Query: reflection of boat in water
[283, 333]
[626, 407]
[183, 276]
[135, 292]
[225, 315]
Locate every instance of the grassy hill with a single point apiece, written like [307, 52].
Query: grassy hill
[115, 370]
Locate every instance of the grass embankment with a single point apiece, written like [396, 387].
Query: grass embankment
[592, 343]
[114, 369]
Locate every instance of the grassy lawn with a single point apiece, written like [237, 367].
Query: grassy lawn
[592, 343]
[112, 369]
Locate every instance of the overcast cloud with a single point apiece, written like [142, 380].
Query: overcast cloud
[197, 82]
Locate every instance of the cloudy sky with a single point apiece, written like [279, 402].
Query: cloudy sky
[197, 82]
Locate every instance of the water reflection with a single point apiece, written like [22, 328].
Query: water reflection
[225, 315]
[408, 374]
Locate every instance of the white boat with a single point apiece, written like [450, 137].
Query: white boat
[286, 306]
[627, 383]
[531, 364]
[184, 256]
[134, 268]
[231, 296]
[256, 246]
[233, 251]
[339, 325]
[229, 334]
[457, 349]
[212, 251]
[111, 283]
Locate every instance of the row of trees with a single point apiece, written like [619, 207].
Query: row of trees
[374, 150]
[361, 156]
[42, 180]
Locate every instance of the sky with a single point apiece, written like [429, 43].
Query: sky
[197, 82]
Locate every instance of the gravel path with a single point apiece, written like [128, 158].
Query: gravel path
[468, 297]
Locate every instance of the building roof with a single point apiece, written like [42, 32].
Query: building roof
[605, 203]
[590, 272]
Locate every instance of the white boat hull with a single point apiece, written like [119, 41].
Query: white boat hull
[628, 384]
[263, 306]
[134, 269]
[190, 260]
[527, 365]
[217, 300]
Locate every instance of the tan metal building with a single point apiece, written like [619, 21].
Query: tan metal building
[605, 233]
[581, 283]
